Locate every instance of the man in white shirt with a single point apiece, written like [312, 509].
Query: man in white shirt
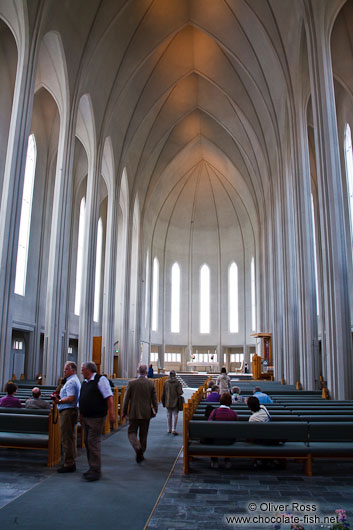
[67, 406]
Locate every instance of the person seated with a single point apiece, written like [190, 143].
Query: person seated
[259, 413]
[36, 402]
[236, 397]
[10, 400]
[210, 384]
[214, 395]
[261, 396]
[223, 413]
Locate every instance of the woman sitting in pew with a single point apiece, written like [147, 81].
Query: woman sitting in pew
[215, 395]
[10, 400]
[259, 413]
[223, 413]
[236, 397]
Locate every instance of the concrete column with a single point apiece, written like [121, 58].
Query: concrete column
[309, 366]
[108, 313]
[336, 339]
[247, 356]
[11, 198]
[89, 262]
[57, 283]
[161, 350]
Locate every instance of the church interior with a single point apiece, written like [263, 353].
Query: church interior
[176, 185]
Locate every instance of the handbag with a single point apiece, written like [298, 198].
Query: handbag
[180, 402]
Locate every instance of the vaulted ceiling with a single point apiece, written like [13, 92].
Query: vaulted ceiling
[188, 87]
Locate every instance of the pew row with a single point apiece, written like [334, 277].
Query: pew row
[32, 430]
[297, 440]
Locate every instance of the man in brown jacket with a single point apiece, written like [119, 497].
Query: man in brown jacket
[141, 397]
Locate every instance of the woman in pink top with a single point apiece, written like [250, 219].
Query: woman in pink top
[223, 413]
[10, 400]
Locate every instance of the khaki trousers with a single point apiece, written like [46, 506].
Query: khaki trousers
[93, 429]
[68, 420]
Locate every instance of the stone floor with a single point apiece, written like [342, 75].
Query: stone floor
[203, 499]
[20, 471]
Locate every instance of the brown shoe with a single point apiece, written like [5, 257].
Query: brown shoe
[67, 469]
[139, 456]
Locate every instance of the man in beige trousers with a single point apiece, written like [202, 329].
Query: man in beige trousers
[140, 405]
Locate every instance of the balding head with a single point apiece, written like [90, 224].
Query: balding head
[143, 369]
[36, 392]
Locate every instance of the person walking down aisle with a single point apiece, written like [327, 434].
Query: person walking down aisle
[96, 399]
[223, 381]
[67, 405]
[170, 399]
[141, 397]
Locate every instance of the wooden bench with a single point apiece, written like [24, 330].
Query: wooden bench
[30, 429]
[303, 440]
[296, 435]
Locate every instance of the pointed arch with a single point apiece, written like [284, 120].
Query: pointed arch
[85, 126]
[175, 299]
[155, 293]
[348, 156]
[233, 295]
[52, 70]
[25, 221]
[205, 300]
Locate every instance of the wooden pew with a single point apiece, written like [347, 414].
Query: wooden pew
[30, 429]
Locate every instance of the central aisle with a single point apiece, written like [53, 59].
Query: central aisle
[122, 499]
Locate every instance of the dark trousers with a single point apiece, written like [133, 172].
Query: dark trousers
[93, 429]
[139, 427]
[68, 420]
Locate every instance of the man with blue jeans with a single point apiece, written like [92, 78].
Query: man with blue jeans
[68, 410]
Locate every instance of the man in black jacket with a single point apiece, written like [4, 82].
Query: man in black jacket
[96, 399]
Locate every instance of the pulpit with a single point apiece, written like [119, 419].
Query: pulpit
[266, 358]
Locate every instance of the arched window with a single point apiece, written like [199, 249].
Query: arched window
[315, 259]
[147, 277]
[155, 294]
[205, 299]
[175, 302]
[79, 263]
[97, 281]
[25, 220]
[233, 298]
[349, 172]
[253, 295]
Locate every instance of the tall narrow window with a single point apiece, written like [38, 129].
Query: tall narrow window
[349, 171]
[253, 296]
[97, 281]
[79, 263]
[205, 299]
[315, 260]
[233, 298]
[147, 278]
[25, 220]
[155, 294]
[175, 302]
